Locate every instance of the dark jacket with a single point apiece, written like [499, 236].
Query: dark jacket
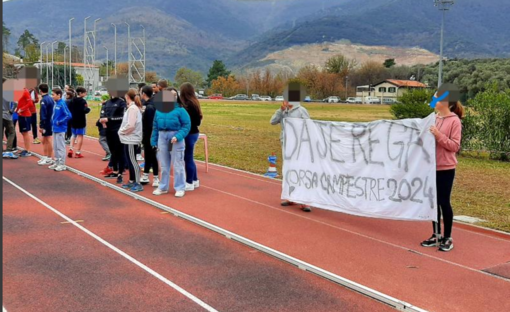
[195, 118]
[79, 109]
[46, 112]
[113, 109]
[147, 120]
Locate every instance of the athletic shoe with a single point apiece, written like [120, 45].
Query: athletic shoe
[446, 244]
[155, 182]
[159, 192]
[45, 162]
[111, 175]
[119, 179]
[431, 242]
[179, 194]
[139, 157]
[25, 153]
[189, 187]
[306, 208]
[9, 155]
[60, 168]
[106, 171]
[137, 188]
[286, 203]
[70, 153]
[196, 184]
[107, 157]
[36, 141]
[142, 165]
[78, 155]
[144, 179]
[68, 142]
[128, 185]
[42, 161]
[53, 167]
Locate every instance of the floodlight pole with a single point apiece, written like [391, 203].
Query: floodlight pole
[443, 5]
[70, 54]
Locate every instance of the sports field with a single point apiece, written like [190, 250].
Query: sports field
[241, 137]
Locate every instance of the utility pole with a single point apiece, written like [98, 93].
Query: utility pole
[129, 51]
[443, 5]
[107, 65]
[70, 54]
[115, 49]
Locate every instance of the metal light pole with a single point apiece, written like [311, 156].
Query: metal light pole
[52, 62]
[85, 40]
[107, 65]
[346, 78]
[70, 54]
[144, 73]
[47, 62]
[41, 48]
[115, 51]
[65, 73]
[129, 51]
[95, 22]
[443, 5]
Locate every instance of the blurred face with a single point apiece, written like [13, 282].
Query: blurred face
[155, 88]
[55, 96]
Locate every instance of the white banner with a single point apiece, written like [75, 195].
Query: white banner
[381, 169]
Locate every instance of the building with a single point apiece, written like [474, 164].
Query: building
[388, 89]
[92, 71]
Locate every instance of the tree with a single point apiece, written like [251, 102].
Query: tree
[58, 76]
[25, 40]
[32, 53]
[79, 79]
[6, 33]
[369, 73]
[151, 76]
[104, 66]
[187, 75]
[388, 63]
[340, 65]
[226, 86]
[413, 104]
[218, 69]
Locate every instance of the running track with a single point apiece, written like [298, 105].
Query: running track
[380, 254]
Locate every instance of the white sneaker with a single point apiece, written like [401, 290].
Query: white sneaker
[53, 167]
[139, 157]
[60, 168]
[159, 192]
[189, 187]
[48, 161]
[196, 184]
[144, 179]
[155, 182]
[42, 161]
[179, 194]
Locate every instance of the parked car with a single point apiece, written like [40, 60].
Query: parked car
[101, 92]
[354, 100]
[388, 101]
[372, 100]
[265, 98]
[332, 99]
[308, 99]
[216, 97]
[239, 97]
[279, 98]
[255, 97]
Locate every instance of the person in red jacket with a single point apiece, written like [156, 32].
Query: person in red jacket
[28, 77]
[448, 134]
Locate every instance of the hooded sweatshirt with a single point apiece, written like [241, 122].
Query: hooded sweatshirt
[130, 131]
[61, 115]
[448, 141]
[25, 104]
[297, 111]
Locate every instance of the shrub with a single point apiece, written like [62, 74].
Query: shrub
[105, 97]
[413, 104]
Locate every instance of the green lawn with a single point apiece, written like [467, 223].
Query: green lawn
[241, 137]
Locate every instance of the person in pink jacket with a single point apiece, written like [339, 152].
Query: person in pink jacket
[448, 133]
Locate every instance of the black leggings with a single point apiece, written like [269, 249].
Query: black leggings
[151, 161]
[33, 122]
[444, 182]
[134, 168]
[117, 151]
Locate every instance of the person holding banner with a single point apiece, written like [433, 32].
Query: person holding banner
[294, 110]
[448, 133]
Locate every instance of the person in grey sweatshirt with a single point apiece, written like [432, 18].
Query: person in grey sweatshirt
[293, 110]
[8, 125]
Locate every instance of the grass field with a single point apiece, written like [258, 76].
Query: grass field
[241, 137]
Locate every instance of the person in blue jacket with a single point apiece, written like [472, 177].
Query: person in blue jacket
[171, 125]
[61, 115]
[45, 125]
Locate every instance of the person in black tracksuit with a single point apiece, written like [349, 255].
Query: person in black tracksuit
[151, 161]
[111, 117]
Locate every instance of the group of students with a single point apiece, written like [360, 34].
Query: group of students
[128, 123]
[447, 132]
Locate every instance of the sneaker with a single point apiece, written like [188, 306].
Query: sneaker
[107, 157]
[179, 194]
[189, 187]
[142, 165]
[25, 154]
[53, 167]
[60, 168]
[70, 153]
[159, 192]
[36, 141]
[9, 155]
[431, 242]
[136, 188]
[139, 157]
[106, 171]
[306, 208]
[196, 184]
[46, 161]
[42, 161]
[286, 203]
[111, 175]
[78, 155]
[155, 182]
[68, 142]
[119, 179]
[128, 185]
[446, 244]
[144, 179]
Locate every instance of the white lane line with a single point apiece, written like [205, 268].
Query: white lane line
[3, 309]
[120, 252]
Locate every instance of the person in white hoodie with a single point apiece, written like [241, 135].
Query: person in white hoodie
[130, 134]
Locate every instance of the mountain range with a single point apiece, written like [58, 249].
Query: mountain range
[244, 33]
